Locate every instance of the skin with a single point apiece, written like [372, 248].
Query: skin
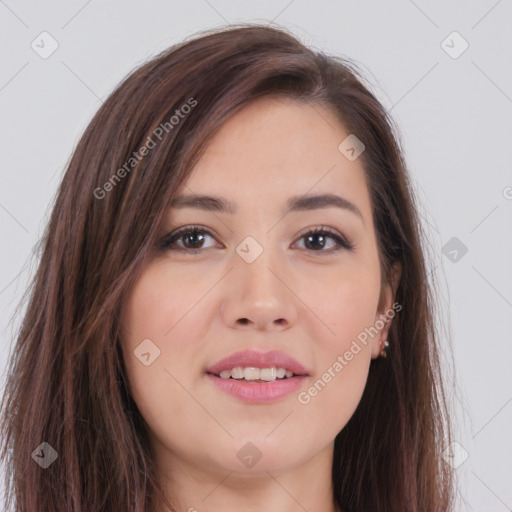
[296, 298]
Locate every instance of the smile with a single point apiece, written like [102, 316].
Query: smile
[256, 376]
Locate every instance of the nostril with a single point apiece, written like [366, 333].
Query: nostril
[244, 321]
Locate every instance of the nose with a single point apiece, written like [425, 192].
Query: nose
[259, 296]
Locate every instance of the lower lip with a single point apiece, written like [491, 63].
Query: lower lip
[258, 392]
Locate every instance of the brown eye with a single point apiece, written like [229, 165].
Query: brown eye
[192, 239]
[317, 239]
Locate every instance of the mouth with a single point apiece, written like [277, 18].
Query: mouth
[257, 377]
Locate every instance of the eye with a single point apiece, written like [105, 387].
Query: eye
[317, 238]
[193, 237]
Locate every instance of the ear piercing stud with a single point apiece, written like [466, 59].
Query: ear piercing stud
[384, 345]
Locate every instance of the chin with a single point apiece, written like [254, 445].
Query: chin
[258, 454]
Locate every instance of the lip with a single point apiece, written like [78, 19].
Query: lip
[258, 359]
[258, 392]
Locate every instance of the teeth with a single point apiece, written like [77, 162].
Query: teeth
[236, 373]
[268, 374]
[252, 373]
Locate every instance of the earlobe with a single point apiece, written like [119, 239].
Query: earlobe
[384, 346]
[381, 342]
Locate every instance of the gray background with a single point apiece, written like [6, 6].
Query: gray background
[454, 115]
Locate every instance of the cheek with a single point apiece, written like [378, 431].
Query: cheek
[153, 312]
[156, 310]
[152, 318]
[347, 312]
[331, 399]
[344, 301]
[343, 355]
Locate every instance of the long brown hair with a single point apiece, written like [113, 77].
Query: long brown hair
[66, 384]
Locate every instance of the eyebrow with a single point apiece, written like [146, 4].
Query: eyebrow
[294, 203]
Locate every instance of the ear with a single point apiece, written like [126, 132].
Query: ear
[385, 311]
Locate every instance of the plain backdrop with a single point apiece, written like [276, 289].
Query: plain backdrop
[450, 93]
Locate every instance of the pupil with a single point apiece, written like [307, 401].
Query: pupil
[193, 235]
[310, 237]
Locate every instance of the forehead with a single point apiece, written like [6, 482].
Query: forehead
[275, 148]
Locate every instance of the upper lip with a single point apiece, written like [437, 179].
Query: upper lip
[258, 359]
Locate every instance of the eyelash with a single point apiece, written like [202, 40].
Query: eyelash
[166, 242]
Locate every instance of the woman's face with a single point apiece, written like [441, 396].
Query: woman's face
[258, 282]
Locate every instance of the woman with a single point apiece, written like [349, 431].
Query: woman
[232, 308]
